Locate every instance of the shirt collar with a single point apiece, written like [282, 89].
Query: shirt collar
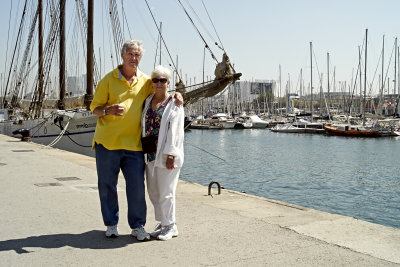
[139, 74]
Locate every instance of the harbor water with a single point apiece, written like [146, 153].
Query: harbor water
[356, 177]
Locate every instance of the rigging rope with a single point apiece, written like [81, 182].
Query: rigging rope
[207, 152]
[125, 19]
[222, 46]
[82, 18]
[23, 67]
[116, 27]
[40, 125]
[201, 22]
[49, 49]
[17, 43]
[110, 45]
[159, 31]
[356, 80]
[8, 39]
[387, 70]
[201, 36]
[155, 56]
[320, 84]
[76, 143]
[58, 138]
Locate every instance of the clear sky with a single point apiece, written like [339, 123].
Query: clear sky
[258, 35]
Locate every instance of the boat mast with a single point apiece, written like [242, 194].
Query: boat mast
[312, 104]
[61, 104]
[365, 74]
[360, 66]
[398, 80]
[40, 53]
[382, 78]
[329, 96]
[280, 91]
[302, 95]
[89, 54]
[395, 67]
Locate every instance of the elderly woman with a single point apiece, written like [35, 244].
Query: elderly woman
[162, 141]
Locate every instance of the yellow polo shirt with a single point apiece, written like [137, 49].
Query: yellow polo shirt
[121, 132]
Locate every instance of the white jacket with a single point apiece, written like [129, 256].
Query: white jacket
[170, 137]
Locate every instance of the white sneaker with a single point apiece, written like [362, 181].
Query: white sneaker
[140, 234]
[168, 232]
[156, 231]
[112, 231]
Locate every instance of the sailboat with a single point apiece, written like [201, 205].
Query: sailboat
[67, 123]
[351, 130]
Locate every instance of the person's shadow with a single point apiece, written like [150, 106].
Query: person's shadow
[94, 239]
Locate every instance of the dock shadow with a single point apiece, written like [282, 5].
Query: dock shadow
[94, 239]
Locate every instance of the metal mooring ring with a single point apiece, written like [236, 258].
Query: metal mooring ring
[211, 184]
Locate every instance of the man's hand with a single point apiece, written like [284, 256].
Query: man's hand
[116, 110]
[178, 98]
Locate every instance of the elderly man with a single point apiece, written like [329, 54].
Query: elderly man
[118, 103]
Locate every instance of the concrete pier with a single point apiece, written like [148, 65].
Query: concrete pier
[50, 216]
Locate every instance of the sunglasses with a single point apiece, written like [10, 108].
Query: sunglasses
[162, 80]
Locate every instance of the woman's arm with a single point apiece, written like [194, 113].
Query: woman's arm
[174, 140]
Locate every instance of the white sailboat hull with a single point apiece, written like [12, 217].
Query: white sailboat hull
[71, 131]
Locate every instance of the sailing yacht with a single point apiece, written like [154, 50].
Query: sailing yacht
[66, 124]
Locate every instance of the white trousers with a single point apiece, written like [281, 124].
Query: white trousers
[161, 186]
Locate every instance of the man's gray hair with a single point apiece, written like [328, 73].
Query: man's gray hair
[133, 44]
[161, 71]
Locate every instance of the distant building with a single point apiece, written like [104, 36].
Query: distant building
[250, 90]
[76, 85]
[237, 97]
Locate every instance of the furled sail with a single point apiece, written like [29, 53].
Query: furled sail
[224, 76]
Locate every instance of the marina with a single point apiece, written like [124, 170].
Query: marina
[308, 164]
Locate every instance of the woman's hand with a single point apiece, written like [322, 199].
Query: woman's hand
[170, 162]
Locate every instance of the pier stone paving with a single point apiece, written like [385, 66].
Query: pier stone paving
[50, 216]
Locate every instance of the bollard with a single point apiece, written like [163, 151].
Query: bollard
[24, 133]
[211, 184]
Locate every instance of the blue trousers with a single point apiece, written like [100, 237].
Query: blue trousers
[132, 165]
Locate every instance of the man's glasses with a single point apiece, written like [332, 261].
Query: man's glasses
[162, 80]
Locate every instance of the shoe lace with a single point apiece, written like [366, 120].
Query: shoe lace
[141, 231]
[165, 230]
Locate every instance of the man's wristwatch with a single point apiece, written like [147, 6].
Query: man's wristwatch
[170, 157]
[104, 111]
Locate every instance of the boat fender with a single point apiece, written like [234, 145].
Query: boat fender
[211, 184]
